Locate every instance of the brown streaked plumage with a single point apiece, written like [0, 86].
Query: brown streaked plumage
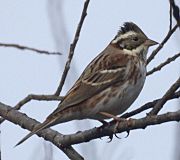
[109, 84]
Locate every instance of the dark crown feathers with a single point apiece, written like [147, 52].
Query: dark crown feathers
[129, 26]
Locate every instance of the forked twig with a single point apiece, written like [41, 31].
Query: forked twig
[160, 66]
[34, 97]
[72, 48]
[37, 97]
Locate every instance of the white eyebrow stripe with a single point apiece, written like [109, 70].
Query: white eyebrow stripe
[123, 36]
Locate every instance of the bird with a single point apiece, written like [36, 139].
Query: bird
[109, 84]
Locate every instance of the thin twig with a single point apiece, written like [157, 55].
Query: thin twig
[160, 66]
[37, 97]
[17, 46]
[170, 16]
[24, 121]
[72, 48]
[176, 12]
[34, 97]
[159, 105]
[148, 106]
[169, 34]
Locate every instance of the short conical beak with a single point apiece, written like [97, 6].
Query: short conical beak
[150, 42]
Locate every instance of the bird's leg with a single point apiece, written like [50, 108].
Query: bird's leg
[117, 119]
[108, 115]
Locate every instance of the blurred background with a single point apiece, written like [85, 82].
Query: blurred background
[51, 25]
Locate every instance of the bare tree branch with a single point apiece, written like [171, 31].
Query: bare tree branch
[72, 48]
[164, 99]
[24, 121]
[17, 46]
[160, 66]
[124, 126]
[154, 53]
[64, 141]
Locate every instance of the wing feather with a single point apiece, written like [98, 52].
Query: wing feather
[94, 80]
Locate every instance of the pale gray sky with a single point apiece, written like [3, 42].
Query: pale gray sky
[24, 72]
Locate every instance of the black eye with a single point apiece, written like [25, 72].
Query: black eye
[135, 38]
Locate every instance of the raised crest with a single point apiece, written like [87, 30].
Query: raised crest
[129, 26]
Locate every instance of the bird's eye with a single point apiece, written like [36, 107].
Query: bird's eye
[135, 38]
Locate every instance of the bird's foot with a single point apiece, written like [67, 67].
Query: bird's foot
[116, 119]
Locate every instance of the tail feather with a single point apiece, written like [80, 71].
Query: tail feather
[42, 126]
